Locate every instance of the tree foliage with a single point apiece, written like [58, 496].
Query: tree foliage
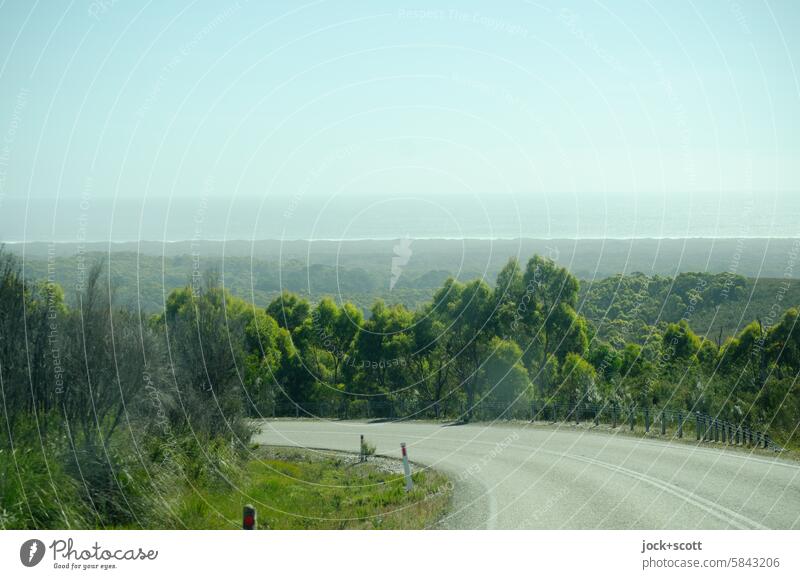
[122, 401]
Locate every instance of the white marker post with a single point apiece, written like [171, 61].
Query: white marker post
[406, 468]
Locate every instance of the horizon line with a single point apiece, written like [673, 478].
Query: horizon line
[362, 239]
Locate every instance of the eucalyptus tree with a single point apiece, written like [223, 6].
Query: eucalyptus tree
[206, 330]
[329, 335]
[382, 351]
[467, 310]
[428, 364]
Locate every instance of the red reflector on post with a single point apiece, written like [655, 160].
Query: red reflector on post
[248, 518]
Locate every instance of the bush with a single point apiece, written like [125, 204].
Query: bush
[358, 409]
[367, 449]
[37, 493]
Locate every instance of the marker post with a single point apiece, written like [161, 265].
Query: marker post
[406, 467]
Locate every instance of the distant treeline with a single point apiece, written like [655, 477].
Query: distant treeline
[728, 301]
[585, 258]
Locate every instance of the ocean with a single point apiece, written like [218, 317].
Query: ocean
[486, 216]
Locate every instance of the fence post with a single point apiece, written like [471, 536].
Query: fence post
[632, 414]
[614, 415]
[680, 425]
[697, 426]
[248, 518]
[596, 416]
[554, 411]
[646, 420]
[533, 410]
[663, 423]
[361, 450]
[577, 413]
[724, 432]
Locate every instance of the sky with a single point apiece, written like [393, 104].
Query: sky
[113, 99]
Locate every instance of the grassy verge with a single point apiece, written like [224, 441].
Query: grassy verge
[300, 489]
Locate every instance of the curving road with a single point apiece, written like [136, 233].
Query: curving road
[539, 477]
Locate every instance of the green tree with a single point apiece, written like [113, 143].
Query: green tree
[289, 310]
[467, 312]
[332, 331]
[506, 377]
[383, 349]
[429, 365]
[578, 381]
[555, 293]
[206, 327]
[266, 343]
[681, 341]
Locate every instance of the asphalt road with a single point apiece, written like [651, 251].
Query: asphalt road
[539, 477]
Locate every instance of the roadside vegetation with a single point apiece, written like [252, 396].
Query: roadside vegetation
[114, 416]
[300, 489]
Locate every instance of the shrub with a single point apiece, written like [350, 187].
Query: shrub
[367, 449]
[37, 493]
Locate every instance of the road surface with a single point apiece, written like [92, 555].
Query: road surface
[538, 477]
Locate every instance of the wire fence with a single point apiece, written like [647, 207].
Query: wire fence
[664, 422]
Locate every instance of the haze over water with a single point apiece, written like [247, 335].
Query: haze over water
[364, 217]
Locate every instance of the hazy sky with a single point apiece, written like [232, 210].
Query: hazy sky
[163, 99]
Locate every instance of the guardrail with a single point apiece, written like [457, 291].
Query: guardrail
[666, 422]
[663, 422]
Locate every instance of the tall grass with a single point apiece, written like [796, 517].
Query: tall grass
[36, 491]
[81, 484]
